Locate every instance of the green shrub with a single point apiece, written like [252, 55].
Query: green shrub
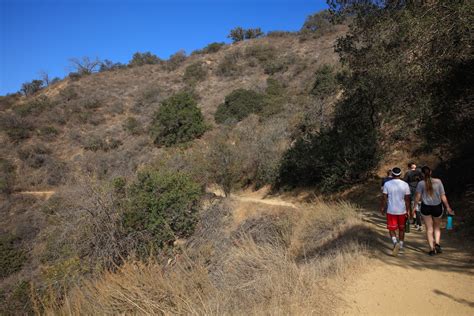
[147, 58]
[326, 82]
[69, 93]
[237, 34]
[178, 120]
[213, 48]
[162, 206]
[17, 299]
[12, 257]
[7, 175]
[132, 126]
[238, 105]
[195, 72]
[48, 132]
[318, 24]
[263, 53]
[95, 143]
[253, 33]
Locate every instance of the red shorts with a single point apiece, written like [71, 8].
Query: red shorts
[395, 222]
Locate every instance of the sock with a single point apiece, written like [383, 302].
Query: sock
[394, 240]
[401, 244]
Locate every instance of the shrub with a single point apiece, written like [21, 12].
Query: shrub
[12, 257]
[163, 206]
[149, 96]
[237, 34]
[30, 88]
[279, 33]
[35, 155]
[34, 107]
[7, 175]
[229, 65]
[325, 83]
[238, 105]
[8, 100]
[132, 126]
[147, 58]
[17, 129]
[253, 33]
[74, 76]
[175, 60]
[262, 53]
[213, 48]
[96, 142]
[69, 93]
[48, 132]
[178, 120]
[318, 23]
[195, 72]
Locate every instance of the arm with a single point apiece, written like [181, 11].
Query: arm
[407, 206]
[446, 204]
[383, 203]
[417, 200]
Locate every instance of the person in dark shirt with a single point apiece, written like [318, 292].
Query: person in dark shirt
[386, 179]
[412, 177]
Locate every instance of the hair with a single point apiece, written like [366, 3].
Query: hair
[410, 164]
[389, 172]
[428, 183]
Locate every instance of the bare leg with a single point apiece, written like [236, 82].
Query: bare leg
[401, 233]
[393, 233]
[429, 230]
[437, 230]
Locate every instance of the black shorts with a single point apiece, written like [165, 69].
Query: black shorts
[432, 210]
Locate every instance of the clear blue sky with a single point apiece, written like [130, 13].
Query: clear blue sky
[40, 35]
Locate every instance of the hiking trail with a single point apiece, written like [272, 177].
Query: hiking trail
[412, 283]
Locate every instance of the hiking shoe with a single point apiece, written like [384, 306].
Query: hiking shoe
[396, 249]
[432, 253]
[438, 248]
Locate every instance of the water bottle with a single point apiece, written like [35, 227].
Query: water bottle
[449, 224]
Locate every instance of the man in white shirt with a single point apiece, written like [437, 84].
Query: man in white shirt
[396, 200]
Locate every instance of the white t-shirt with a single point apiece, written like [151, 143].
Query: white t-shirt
[396, 190]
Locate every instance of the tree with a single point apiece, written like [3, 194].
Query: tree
[237, 34]
[178, 120]
[108, 65]
[238, 105]
[30, 88]
[84, 65]
[318, 22]
[45, 77]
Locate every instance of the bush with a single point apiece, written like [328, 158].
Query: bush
[12, 257]
[195, 72]
[318, 23]
[7, 101]
[147, 58]
[132, 126]
[175, 60]
[34, 107]
[263, 53]
[7, 176]
[178, 120]
[96, 142]
[74, 76]
[30, 88]
[213, 48]
[279, 34]
[17, 129]
[237, 34]
[253, 33]
[238, 105]
[48, 132]
[163, 206]
[35, 156]
[326, 82]
[229, 65]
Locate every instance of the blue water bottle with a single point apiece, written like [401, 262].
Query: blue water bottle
[449, 224]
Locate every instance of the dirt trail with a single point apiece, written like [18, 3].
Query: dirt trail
[412, 283]
[39, 194]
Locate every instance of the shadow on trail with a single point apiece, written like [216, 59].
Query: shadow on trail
[459, 300]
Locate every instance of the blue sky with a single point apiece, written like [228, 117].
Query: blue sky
[42, 35]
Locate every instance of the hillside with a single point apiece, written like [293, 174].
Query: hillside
[243, 178]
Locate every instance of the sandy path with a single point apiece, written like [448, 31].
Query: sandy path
[39, 194]
[412, 283]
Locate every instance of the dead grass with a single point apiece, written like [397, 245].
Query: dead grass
[282, 275]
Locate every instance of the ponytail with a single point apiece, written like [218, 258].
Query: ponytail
[428, 183]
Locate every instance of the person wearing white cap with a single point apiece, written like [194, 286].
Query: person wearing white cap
[396, 200]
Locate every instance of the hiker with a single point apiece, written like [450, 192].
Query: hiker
[431, 193]
[412, 177]
[396, 199]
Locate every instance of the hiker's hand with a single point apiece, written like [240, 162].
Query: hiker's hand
[450, 211]
[382, 211]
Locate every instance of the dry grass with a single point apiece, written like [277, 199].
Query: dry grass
[286, 275]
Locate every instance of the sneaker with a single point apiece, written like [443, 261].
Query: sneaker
[432, 253]
[438, 248]
[396, 249]
[419, 228]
